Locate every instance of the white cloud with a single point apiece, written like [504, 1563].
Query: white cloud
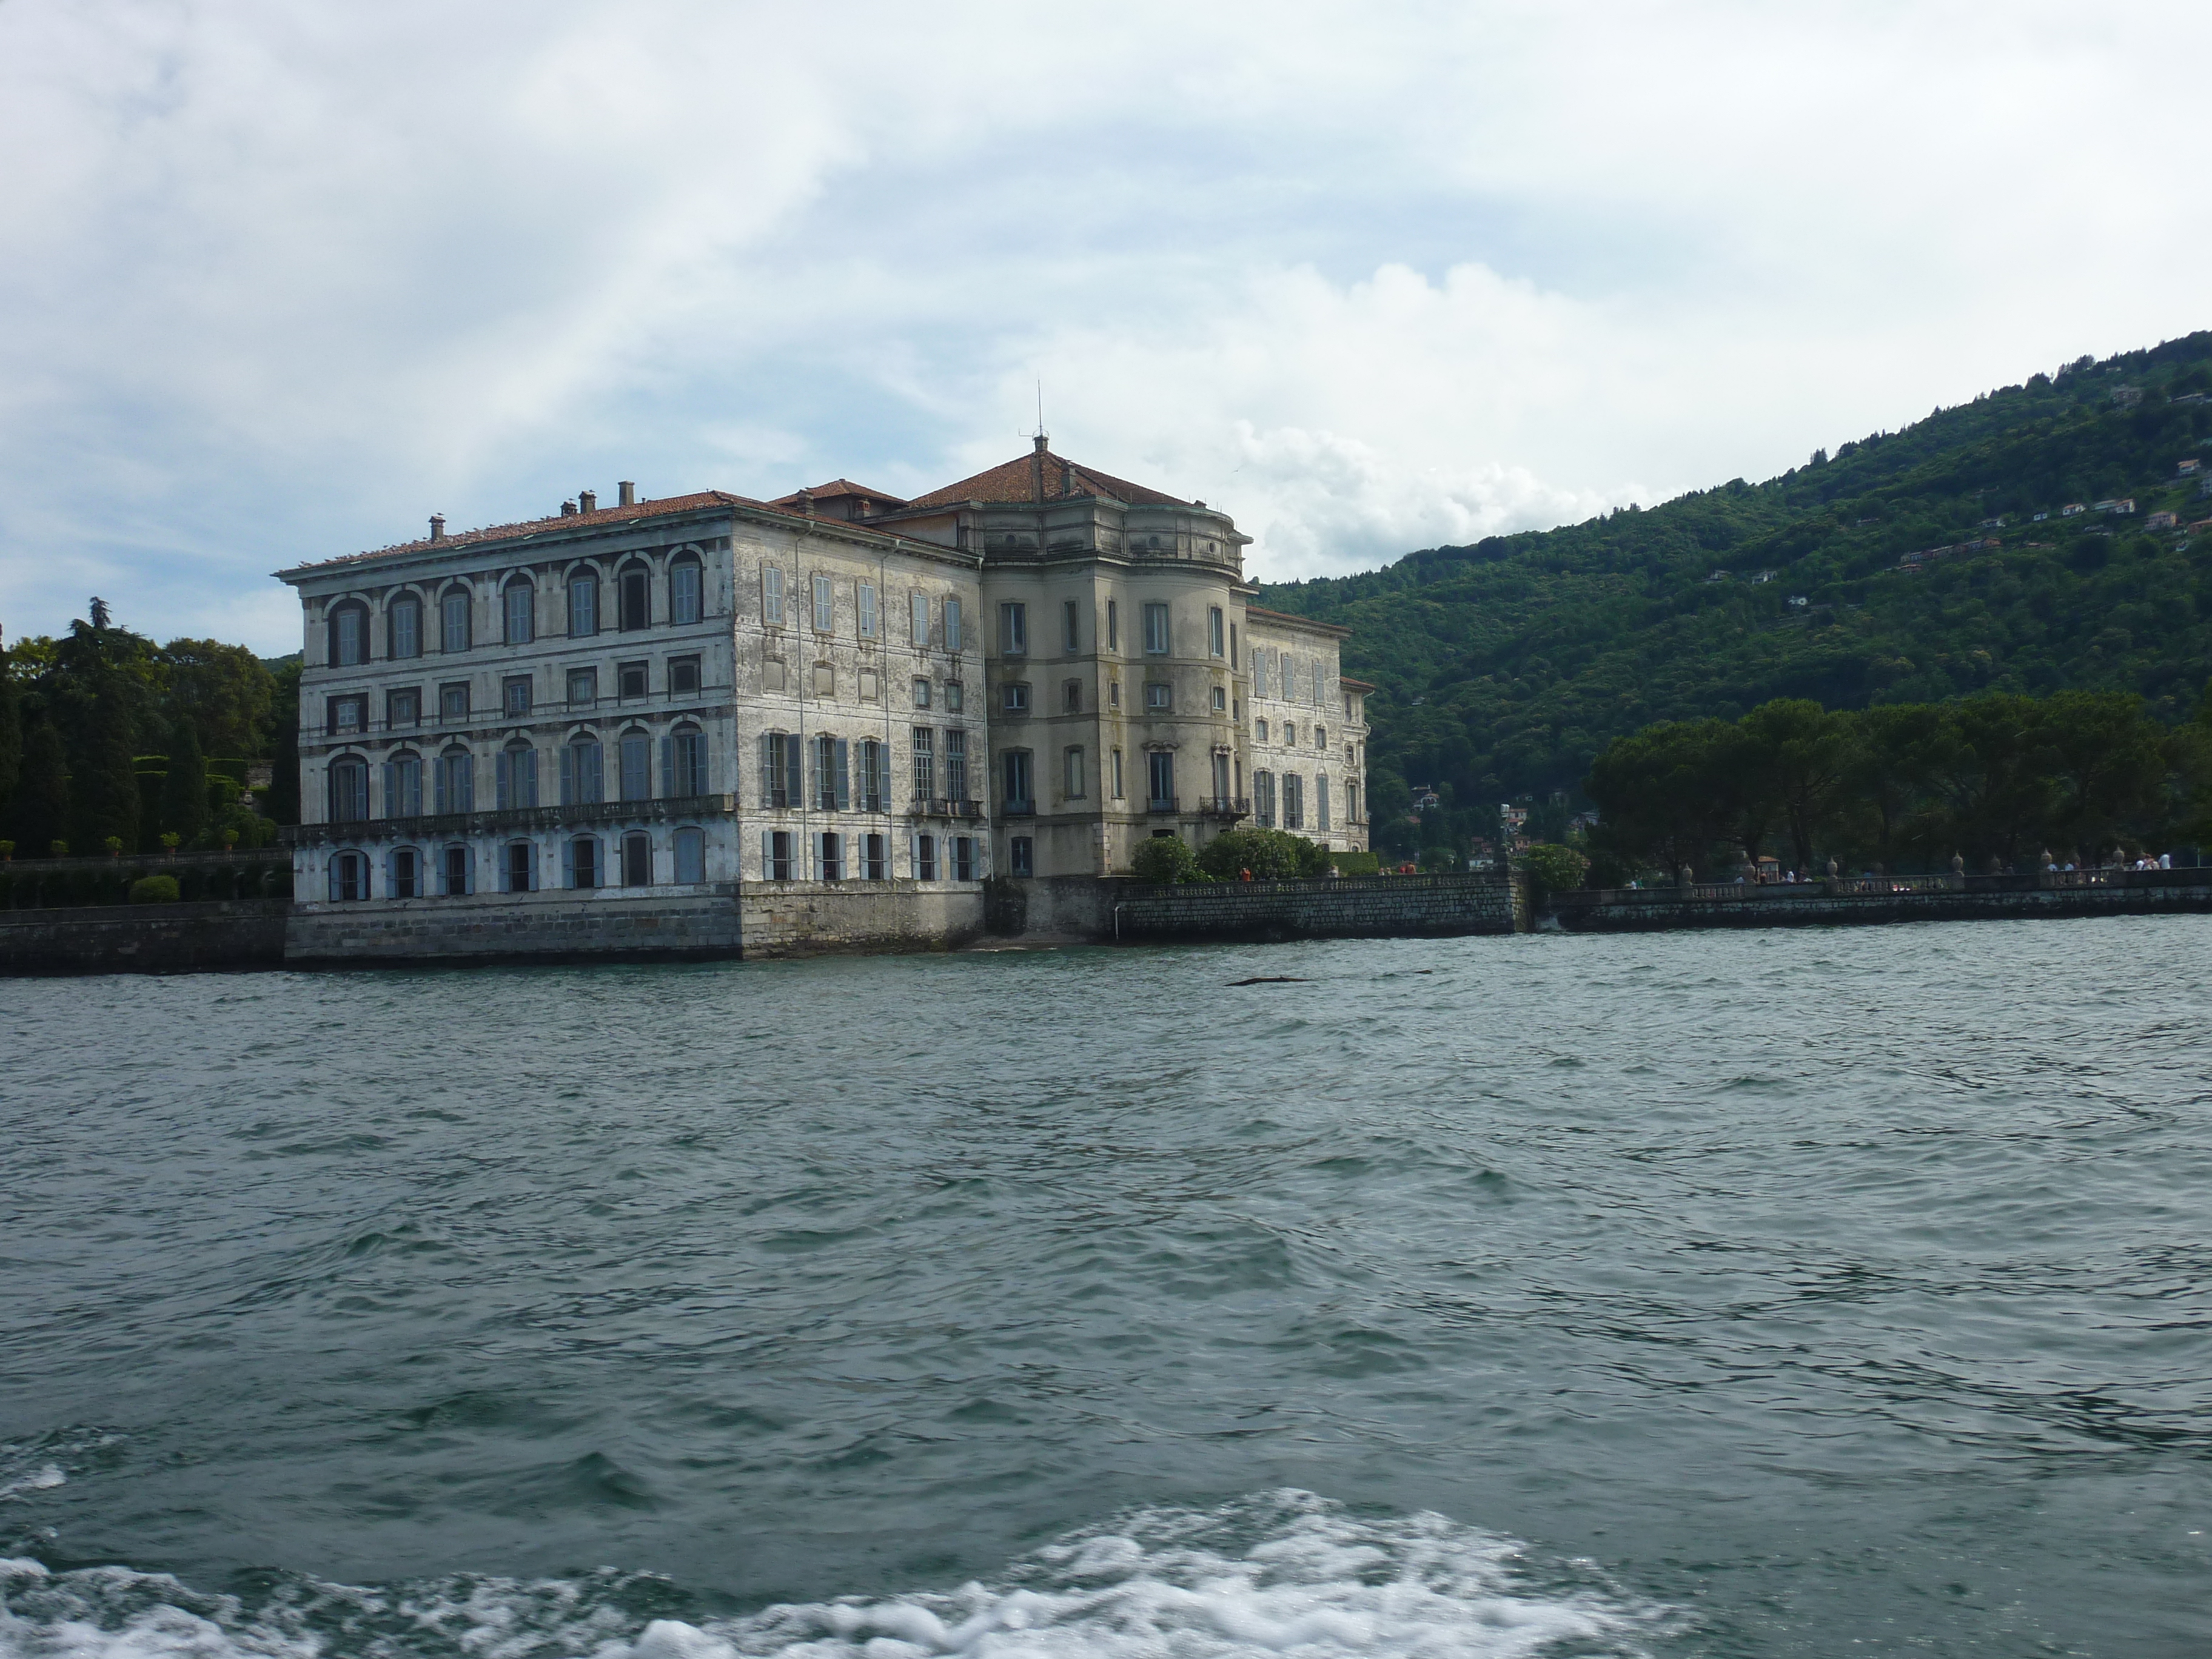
[277, 283]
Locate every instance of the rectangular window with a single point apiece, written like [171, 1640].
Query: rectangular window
[636, 861]
[780, 759]
[636, 600]
[1117, 775]
[349, 715]
[683, 677]
[1263, 800]
[1013, 630]
[453, 614]
[825, 614]
[403, 787]
[636, 766]
[864, 605]
[631, 680]
[1221, 780]
[1159, 696]
[1072, 769]
[1113, 625]
[918, 619]
[1021, 855]
[925, 858]
[1070, 628]
[1214, 640]
[514, 778]
[406, 873]
[869, 775]
[1113, 694]
[1016, 699]
[582, 856]
[1260, 730]
[1232, 648]
[953, 697]
[349, 792]
[350, 650]
[872, 861]
[407, 628]
[453, 873]
[1155, 631]
[1159, 766]
[1220, 700]
[771, 595]
[829, 857]
[1071, 697]
[1321, 801]
[683, 596]
[690, 855]
[1321, 736]
[925, 764]
[687, 763]
[453, 702]
[521, 866]
[1019, 798]
[583, 687]
[833, 791]
[952, 637]
[514, 697]
[1260, 671]
[775, 855]
[956, 764]
[1294, 802]
[456, 782]
[921, 692]
[963, 858]
[521, 613]
[583, 606]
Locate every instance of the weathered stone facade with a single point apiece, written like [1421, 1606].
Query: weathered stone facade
[849, 710]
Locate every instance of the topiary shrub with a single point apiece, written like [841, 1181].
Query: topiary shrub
[1165, 861]
[153, 890]
[1357, 863]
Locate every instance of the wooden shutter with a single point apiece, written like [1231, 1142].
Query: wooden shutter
[567, 775]
[767, 770]
[768, 854]
[844, 776]
[667, 767]
[528, 761]
[501, 792]
[595, 765]
[813, 774]
[794, 758]
[567, 861]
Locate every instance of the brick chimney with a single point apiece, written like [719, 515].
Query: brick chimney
[437, 526]
[587, 500]
[626, 493]
[568, 509]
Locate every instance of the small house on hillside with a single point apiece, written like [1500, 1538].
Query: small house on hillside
[2072, 510]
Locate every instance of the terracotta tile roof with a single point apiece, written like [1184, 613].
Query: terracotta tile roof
[1351, 684]
[1285, 619]
[1017, 481]
[837, 487]
[606, 517]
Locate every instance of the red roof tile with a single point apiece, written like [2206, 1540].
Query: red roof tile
[837, 487]
[1017, 481]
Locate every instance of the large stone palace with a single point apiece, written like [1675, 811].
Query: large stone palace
[711, 725]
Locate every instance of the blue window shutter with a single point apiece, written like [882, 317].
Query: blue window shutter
[844, 776]
[814, 774]
[530, 779]
[767, 770]
[334, 875]
[567, 861]
[883, 761]
[567, 775]
[668, 768]
[794, 759]
[817, 839]
[502, 765]
[595, 763]
[390, 806]
[438, 784]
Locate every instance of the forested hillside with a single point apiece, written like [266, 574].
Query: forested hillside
[1506, 666]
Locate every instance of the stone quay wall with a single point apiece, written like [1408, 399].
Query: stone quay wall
[1355, 907]
[145, 938]
[1862, 901]
[555, 926]
[796, 919]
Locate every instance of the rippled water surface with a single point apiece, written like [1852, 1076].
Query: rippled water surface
[1800, 1292]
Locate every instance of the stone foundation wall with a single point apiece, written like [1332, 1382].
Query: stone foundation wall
[1820, 904]
[1053, 906]
[555, 926]
[145, 938]
[1366, 907]
[788, 919]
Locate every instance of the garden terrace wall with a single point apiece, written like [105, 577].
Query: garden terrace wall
[51, 884]
[145, 938]
[1353, 907]
[1861, 901]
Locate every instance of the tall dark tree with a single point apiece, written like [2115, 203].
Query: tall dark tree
[282, 745]
[11, 732]
[40, 813]
[104, 783]
[184, 791]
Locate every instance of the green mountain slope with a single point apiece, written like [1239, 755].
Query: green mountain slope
[1506, 665]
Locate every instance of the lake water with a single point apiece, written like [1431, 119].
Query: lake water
[1803, 1293]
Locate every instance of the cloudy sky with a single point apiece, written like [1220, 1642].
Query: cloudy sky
[279, 281]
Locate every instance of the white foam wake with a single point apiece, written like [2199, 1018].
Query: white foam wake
[1286, 1577]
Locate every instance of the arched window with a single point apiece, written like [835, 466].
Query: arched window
[457, 780]
[402, 627]
[454, 620]
[349, 634]
[580, 863]
[349, 877]
[403, 879]
[686, 592]
[403, 785]
[453, 868]
[521, 609]
[690, 855]
[684, 753]
[583, 781]
[517, 779]
[636, 595]
[519, 867]
[636, 860]
[348, 785]
[634, 777]
[583, 602]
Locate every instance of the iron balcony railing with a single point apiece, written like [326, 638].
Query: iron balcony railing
[1225, 807]
[1162, 804]
[938, 808]
[444, 825]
